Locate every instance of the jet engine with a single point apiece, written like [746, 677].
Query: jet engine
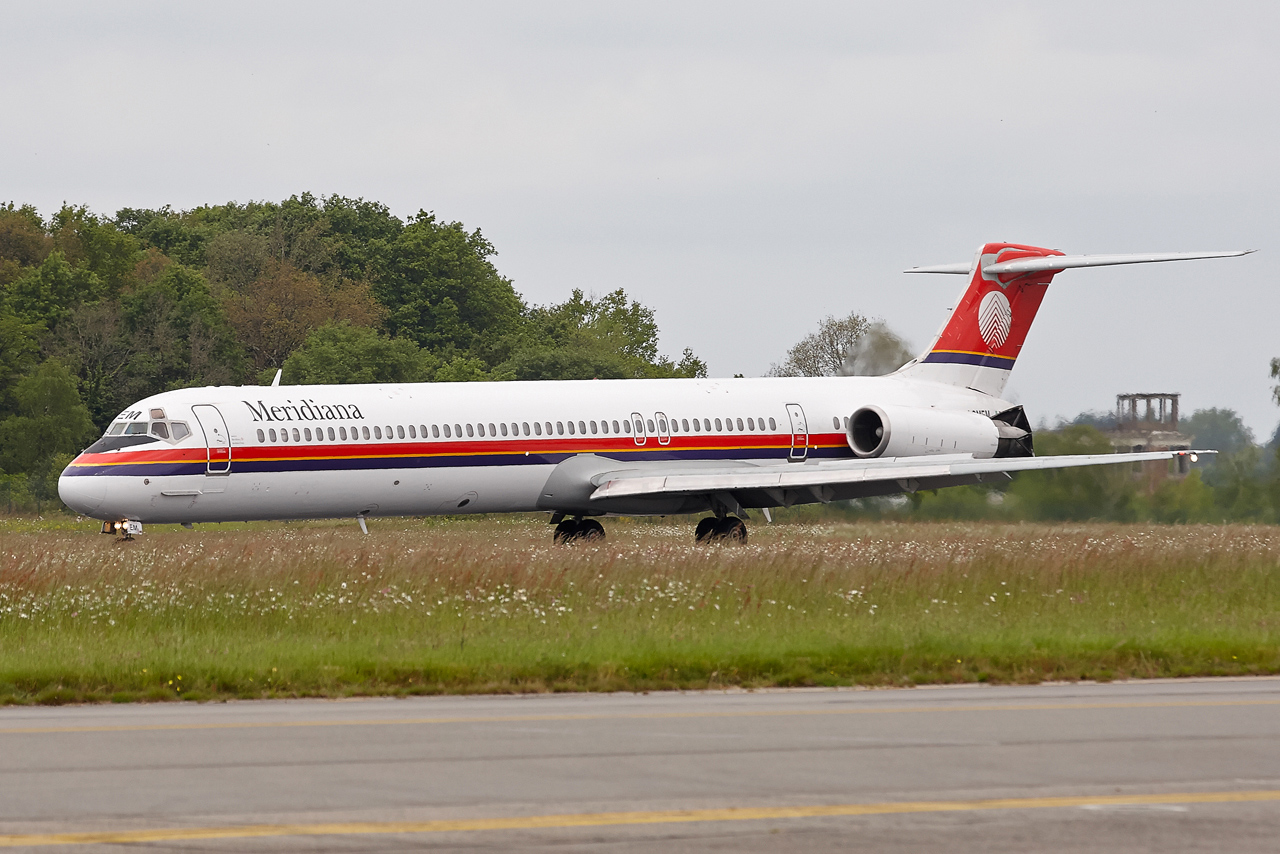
[912, 431]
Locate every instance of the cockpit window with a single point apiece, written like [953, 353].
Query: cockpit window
[180, 430]
[137, 428]
[116, 429]
[159, 428]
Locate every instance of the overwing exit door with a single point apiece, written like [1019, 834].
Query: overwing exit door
[799, 432]
[216, 439]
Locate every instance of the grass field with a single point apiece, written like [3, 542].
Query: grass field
[484, 605]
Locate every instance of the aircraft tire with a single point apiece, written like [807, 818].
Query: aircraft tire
[591, 530]
[731, 529]
[705, 530]
[566, 531]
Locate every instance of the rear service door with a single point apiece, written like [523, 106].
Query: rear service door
[799, 432]
[216, 439]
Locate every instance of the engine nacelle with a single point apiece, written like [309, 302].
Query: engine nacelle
[912, 431]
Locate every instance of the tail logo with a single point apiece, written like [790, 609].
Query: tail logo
[995, 318]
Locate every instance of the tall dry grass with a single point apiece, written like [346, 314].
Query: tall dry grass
[493, 605]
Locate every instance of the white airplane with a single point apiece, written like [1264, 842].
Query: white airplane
[585, 449]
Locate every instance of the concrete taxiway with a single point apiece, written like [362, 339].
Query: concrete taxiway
[1147, 766]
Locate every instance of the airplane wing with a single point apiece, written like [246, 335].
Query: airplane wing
[910, 473]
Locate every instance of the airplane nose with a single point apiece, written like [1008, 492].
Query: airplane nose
[83, 494]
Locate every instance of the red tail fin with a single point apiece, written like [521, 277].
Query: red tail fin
[981, 340]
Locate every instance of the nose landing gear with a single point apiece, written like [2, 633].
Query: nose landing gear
[728, 529]
[124, 529]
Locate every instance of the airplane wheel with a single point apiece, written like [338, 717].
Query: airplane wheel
[732, 529]
[705, 530]
[590, 529]
[566, 531]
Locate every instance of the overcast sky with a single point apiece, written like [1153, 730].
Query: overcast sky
[745, 169]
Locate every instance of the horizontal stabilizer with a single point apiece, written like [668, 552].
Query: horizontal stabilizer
[961, 268]
[1068, 262]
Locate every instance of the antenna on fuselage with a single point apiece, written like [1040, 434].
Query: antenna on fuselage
[276, 381]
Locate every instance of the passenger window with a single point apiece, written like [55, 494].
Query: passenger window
[390, 434]
[526, 428]
[835, 422]
[697, 425]
[571, 430]
[399, 431]
[537, 427]
[846, 422]
[284, 435]
[377, 432]
[480, 427]
[413, 432]
[448, 433]
[559, 428]
[548, 428]
[515, 428]
[296, 436]
[435, 431]
[728, 425]
[116, 429]
[626, 426]
[272, 434]
[649, 422]
[719, 427]
[582, 427]
[662, 425]
[615, 427]
[162, 430]
[503, 425]
[740, 427]
[706, 424]
[684, 424]
[471, 431]
[262, 437]
[604, 427]
[594, 426]
[306, 431]
[493, 429]
[342, 433]
[751, 424]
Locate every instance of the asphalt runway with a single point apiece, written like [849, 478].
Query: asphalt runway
[1152, 766]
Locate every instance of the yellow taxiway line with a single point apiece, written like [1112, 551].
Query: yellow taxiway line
[606, 716]
[619, 819]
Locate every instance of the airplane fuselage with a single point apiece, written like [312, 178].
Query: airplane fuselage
[292, 452]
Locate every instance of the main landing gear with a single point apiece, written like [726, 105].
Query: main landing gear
[727, 529]
[570, 530]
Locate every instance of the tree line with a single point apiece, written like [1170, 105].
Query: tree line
[97, 312]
